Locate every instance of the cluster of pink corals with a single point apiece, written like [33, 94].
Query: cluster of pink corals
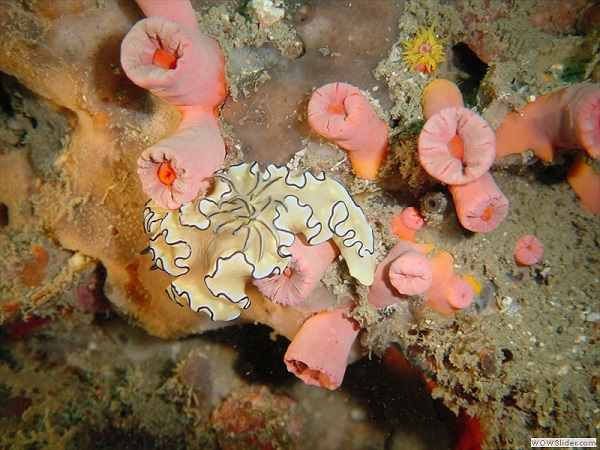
[406, 271]
[457, 147]
[319, 352]
[168, 55]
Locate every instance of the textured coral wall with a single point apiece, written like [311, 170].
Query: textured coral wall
[68, 53]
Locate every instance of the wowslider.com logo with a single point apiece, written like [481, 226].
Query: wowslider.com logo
[563, 442]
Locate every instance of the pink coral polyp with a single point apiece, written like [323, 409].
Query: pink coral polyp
[318, 354]
[300, 277]
[456, 146]
[178, 64]
[528, 250]
[192, 155]
[480, 206]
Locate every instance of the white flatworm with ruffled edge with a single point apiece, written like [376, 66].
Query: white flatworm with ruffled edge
[244, 229]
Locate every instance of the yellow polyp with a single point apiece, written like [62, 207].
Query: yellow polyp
[425, 51]
[476, 285]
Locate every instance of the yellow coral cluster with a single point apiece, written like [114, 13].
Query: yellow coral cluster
[425, 51]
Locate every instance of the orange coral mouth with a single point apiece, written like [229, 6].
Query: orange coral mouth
[166, 174]
[337, 108]
[487, 213]
[164, 60]
[456, 147]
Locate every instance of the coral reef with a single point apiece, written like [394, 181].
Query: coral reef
[257, 419]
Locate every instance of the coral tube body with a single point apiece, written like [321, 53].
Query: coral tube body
[447, 293]
[585, 181]
[180, 11]
[480, 206]
[340, 112]
[319, 352]
[440, 94]
[568, 118]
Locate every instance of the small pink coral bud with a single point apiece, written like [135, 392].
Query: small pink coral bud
[406, 223]
[302, 274]
[447, 293]
[528, 250]
[404, 271]
[412, 218]
[410, 271]
[340, 112]
[480, 206]
[180, 11]
[456, 146]
[567, 118]
[459, 293]
[319, 353]
[174, 170]
[180, 65]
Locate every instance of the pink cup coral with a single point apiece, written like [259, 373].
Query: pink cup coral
[568, 118]
[409, 271]
[175, 169]
[456, 146]
[184, 68]
[459, 294]
[404, 271]
[406, 223]
[302, 274]
[178, 64]
[340, 112]
[319, 352]
[448, 293]
[480, 206]
[528, 250]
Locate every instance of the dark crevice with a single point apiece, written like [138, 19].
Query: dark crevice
[472, 69]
